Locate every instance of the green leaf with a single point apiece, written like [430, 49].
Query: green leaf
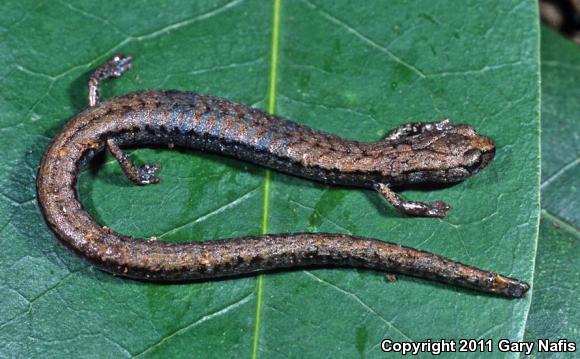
[560, 133]
[554, 313]
[355, 71]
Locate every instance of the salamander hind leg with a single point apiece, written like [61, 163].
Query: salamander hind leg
[112, 68]
[413, 208]
[143, 175]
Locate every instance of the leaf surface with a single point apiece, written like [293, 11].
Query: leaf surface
[554, 313]
[352, 71]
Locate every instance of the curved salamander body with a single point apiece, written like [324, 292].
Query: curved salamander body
[415, 153]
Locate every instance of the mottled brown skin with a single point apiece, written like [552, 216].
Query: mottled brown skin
[435, 152]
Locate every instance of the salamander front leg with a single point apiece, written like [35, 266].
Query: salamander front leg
[113, 68]
[139, 175]
[421, 209]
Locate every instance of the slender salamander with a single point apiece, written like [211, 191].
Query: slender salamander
[428, 152]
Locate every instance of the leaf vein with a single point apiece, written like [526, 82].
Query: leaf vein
[570, 228]
[196, 323]
[321, 215]
[93, 16]
[560, 172]
[361, 302]
[364, 38]
[211, 213]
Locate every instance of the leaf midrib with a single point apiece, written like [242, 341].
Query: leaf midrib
[272, 77]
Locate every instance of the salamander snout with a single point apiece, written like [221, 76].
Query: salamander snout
[447, 153]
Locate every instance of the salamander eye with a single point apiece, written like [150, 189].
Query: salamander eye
[472, 160]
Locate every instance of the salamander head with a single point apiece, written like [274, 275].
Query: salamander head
[439, 152]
